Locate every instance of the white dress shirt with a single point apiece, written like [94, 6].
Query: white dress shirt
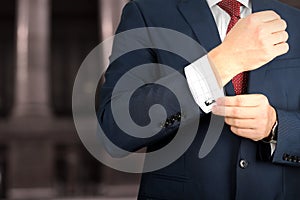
[222, 18]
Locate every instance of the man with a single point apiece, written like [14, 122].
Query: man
[258, 153]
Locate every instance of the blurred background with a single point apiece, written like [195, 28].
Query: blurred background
[42, 44]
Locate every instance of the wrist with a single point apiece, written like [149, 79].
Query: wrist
[222, 65]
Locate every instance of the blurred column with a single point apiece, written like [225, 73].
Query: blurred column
[72, 158]
[30, 159]
[110, 13]
[31, 97]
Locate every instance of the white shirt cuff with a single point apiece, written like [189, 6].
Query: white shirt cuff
[273, 147]
[203, 83]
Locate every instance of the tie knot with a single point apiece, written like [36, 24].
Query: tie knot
[232, 7]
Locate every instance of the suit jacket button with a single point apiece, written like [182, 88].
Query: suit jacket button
[285, 157]
[243, 164]
[178, 115]
[294, 158]
[173, 119]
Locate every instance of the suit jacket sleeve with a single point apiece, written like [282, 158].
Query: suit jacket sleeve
[288, 141]
[145, 96]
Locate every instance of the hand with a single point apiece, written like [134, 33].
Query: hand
[252, 42]
[249, 116]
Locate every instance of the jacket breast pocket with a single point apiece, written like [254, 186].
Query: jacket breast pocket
[282, 83]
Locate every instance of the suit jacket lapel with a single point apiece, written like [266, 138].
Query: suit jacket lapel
[197, 14]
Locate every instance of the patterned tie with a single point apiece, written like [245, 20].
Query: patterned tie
[232, 7]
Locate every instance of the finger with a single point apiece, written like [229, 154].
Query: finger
[275, 26]
[245, 133]
[241, 123]
[236, 112]
[266, 16]
[248, 100]
[279, 37]
[281, 48]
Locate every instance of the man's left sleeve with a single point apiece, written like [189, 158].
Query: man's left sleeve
[288, 140]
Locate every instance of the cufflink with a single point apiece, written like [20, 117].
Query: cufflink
[209, 102]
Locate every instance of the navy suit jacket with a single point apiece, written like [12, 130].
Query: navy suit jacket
[218, 176]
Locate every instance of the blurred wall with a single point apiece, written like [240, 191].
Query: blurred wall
[43, 43]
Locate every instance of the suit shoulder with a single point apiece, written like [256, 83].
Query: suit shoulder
[155, 4]
[157, 12]
[287, 10]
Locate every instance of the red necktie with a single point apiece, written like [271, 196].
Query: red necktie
[232, 7]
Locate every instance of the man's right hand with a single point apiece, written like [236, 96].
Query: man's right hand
[251, 43]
